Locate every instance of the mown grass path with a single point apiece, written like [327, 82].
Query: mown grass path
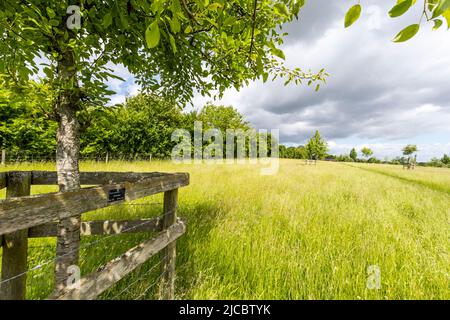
[410, 178]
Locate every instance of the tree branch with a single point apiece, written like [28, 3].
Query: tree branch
[253, 26]
[189, 13]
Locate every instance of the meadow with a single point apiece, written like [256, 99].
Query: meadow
[308, 232]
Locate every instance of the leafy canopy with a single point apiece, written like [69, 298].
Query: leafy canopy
[298, 152]
[142, 126]
[222, 118]
[367, 152]
[23, 115]
[172, 47]
[409, 149]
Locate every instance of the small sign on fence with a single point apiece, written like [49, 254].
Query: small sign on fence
[116, 195]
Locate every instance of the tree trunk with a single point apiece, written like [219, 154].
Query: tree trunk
[67, 152]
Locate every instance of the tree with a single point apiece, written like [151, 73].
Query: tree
[354, 154]
[367, 152]
[24, 124]
[445, 159]
[222, 118]
[316, 148]
[293, 152]
[409, 150]
[142, 125]
[373, 160]
[435, 162]
[173, 48]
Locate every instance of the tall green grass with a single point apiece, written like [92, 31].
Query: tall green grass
[308, 232]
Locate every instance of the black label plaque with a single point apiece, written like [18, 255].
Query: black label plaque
[116, 195]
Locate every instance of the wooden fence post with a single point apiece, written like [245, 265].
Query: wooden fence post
[167, 286]
[3, 157]
[15, 245]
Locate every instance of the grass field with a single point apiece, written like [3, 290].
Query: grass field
[309, 232]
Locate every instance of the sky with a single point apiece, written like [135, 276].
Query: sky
[379, 94]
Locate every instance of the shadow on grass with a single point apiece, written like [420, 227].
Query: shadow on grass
[144, 282]
[201, 219]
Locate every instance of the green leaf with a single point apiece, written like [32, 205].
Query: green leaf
[442, 6]
[352, 15]
[152, 35]
[431, 4]
[400, 8]
[297, 6]
[281, 9]
[123, 20]
[407, 33]
[278, 52]
[107, 20]
[214, 6]
[172, 43]
[259, 65]
[446, 15]
[437, 24]
[175, 25]
[51, 14]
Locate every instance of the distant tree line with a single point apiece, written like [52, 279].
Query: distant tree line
[409, 154]
[315, 149]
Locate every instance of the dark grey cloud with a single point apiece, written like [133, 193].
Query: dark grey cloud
[377, 89]
[313, 21]
[379, 94]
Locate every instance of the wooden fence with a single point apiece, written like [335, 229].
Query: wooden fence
[24, 216]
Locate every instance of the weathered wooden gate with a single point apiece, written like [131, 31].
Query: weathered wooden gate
[23, 216]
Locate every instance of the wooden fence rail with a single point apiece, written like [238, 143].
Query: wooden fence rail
[97, 282]
[100, 227]
[24, 216]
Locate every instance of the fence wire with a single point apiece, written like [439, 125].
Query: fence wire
[141, 277]
[24, 156]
